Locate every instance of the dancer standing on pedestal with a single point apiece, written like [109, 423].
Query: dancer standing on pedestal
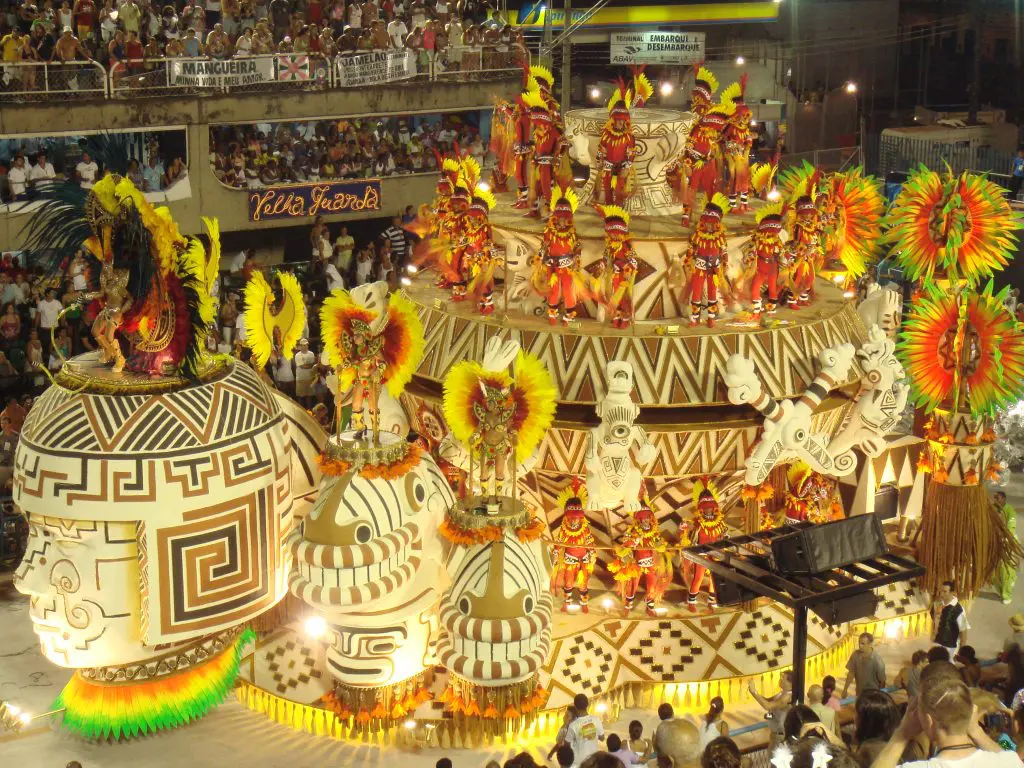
[617, 146]
[546, 136]
[707, 255]
[573, 557]
[557, 266]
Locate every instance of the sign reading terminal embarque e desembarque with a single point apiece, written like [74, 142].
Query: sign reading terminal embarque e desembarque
[657, 47]
[301, 200]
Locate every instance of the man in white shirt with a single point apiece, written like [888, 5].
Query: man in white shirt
[47, 311]
[949, 620]
[334, 279]
[41, 173]
[585, 733]
[397, 31]
[86, 171]
[305, 373]
[17, 177]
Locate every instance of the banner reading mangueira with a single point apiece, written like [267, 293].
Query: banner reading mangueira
[222, 73]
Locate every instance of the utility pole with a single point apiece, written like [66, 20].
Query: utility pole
[567, 58]
[976, 25]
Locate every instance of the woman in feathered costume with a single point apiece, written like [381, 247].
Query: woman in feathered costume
[371, 344]
[573, 556]
[951, 226]
[706, 254]
[155, 282]
[557, 267]
[457, 238]
[511, 144]
[642, 560]
[546, 134]
[499, 417]
[273, 324]
[617, 146]
[707, 527]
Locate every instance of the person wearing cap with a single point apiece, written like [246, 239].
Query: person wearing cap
[707, 253]
[767, 252]
[640, 560]
[707, 527]
[559, 264]
[572, 555]
[305, 373]
[620, 259]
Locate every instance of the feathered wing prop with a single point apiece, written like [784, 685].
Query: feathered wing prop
[212, 227]
[403, 343]
[336, 316]
[462, 391]
[854, 228]
[968, 340]
[264, 315]
[792, 178]
[961, 226]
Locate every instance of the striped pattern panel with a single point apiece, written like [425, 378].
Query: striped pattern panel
[668, 370]
[334, 597]
[356, 555]
[487, 672]
[523, 571]
[494, 630]
[375, 502]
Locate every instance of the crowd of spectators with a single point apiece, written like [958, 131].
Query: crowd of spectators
[261, 155]
[27, 167]
[123, 34]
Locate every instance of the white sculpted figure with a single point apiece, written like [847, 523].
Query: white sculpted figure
[787, 426]
[882, 398]
[882, 307]
[612, 476]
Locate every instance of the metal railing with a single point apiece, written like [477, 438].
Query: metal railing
[133, 78]
[48, 81]
[833, 159]
[901, 154]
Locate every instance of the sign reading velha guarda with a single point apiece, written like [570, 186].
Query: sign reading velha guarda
[679, 48]
[531, 15]
[300, 200]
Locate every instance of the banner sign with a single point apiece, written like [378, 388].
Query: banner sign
[222, 73]
[374, 68]
[532, 15]
[301, 200]
[657, 47]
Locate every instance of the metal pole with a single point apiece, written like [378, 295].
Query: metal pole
[567, 58]
[546, 34]
[799, 653]
[976, 20]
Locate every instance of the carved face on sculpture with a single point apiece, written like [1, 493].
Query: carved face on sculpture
[162, 521]
[82, 580]
[877, 358]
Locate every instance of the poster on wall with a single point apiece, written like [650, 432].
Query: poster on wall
[374, 68]
[301, 200]
[226, 73]
[679, 48]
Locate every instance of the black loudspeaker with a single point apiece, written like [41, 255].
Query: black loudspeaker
[887, 502]
[730, 593]
[820, 548]
[847, 609]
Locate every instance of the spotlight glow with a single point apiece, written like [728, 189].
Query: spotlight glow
[740, 61]
[606, 603]
[839, 279]
[405, 281]
[892, 630]
[849, 294]
[25, 717]
[665, 88]
[412, 269]
[316, 626]
[601, 708]
[851, 87]
[595, 93]
[773, 194]
[753, 121]
[484, 186]
[13, 709]
[410, 725]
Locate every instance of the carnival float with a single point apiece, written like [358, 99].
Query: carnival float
[597, 377]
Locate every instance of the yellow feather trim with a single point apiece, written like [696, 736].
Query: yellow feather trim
[569, 492]
[722, 202]
[708, 77]
[703, 484]
[775, 209]
[212, 226]
[261, 318]
[540, 394]
[537, 72]
[405, 345]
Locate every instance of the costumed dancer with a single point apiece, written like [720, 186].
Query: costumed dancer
[620, 259]
[522, 149]
[767, 252]
[479, 253]
[573, 556]
[510, 143]
[739, 138]
[545, 82]
[642, 560]
[804, 250]
[457, 235]
[704, 86]
[556, 270]
[372, 341]
[617, 146]
[546, 135]
[707, 255]
[273, 324]
[810, 498]
[707, 527]
[698, 172]
[499, 417]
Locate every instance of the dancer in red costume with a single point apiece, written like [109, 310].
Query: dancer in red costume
[707, 255]
[573, 555]
[454, 229]
[480, 255]
[707, 527]
[620, 260]
[557, 268]
[617, 146]
[704, 86]
[767, 251]
[804, 246]
[641, 561]
[510, 143]
[739, 137]
[546, 137]
[811, 496]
